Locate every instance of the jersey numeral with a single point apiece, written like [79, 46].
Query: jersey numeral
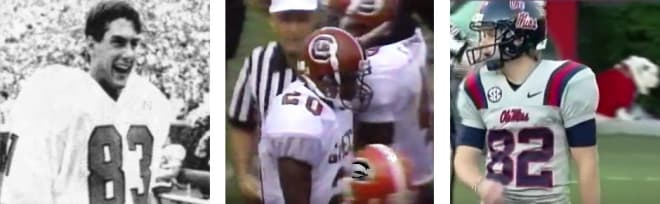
[313, 105]
[523, 160]
[106, 181]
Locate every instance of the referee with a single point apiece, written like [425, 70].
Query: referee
[265, 73]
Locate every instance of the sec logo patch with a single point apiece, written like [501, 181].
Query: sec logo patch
[494, 94]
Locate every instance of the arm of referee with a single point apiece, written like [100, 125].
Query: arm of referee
[242, 128]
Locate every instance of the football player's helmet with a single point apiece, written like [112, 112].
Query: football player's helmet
[369, 12]
[516, 27]
[380, 175]
[335, 66]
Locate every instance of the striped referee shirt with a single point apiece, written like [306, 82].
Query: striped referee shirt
[264, 75]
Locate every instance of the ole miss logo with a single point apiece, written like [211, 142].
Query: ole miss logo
[513, 115]
[525, 21]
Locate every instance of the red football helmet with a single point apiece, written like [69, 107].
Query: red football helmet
[370, 12]
[380, 174]
[335, 60]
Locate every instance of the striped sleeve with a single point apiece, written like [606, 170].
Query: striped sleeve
[576, 93]
[242, 105]
[263, 76]
[559, 79]
[470, 101]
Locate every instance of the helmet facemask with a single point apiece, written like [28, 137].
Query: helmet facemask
[349, 88]
[504, 46]
[508, 30]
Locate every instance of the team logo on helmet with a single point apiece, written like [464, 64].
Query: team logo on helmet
[323, 47]
[517, 5]
[361, 170]
[525, 21]
[366, 7]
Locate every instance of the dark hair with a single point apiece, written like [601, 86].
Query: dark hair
[105, 12]
[4, 94]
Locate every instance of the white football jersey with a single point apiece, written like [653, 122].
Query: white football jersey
[526, 141]
[396, 80]
[301, 126]
[77, 145]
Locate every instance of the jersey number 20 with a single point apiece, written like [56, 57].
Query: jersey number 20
[106, 181]
[312, 104]
[519, 169]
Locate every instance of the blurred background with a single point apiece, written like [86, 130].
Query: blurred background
[173, 54]
[602, 35]
[257, 31]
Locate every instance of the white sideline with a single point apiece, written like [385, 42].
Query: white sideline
[622, 178]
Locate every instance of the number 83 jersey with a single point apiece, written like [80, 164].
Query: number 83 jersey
[526, 140]
[77, 145]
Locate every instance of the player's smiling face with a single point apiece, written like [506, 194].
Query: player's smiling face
[113, 58]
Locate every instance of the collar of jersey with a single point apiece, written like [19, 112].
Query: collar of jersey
[307, 82]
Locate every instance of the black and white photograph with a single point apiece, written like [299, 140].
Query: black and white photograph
[104, 101]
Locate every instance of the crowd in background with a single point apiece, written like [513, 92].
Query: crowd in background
[173, 54]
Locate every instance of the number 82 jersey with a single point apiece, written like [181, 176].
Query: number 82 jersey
[528, 130]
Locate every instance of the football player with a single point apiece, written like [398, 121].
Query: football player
[307, 135]
[399, 111]
[529, 115]
[90, 137]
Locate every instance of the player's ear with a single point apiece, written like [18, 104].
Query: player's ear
[89, 47]
[89, 42]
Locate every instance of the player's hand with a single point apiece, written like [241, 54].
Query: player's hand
[170, 169]
[491, 192]
[249, 187]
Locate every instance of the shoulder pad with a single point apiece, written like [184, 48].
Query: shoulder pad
[294, 113]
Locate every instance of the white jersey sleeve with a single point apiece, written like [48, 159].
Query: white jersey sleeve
[388, 63]
[580, 98]
[381, 109]
[469, 114]
[291, 130]
[36, 120]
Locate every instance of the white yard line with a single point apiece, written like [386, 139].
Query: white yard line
[619, 178]
[624, 178]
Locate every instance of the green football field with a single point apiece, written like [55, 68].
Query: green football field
[630, 165]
